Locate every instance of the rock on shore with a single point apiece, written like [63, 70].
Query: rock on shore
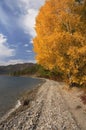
[52, 108]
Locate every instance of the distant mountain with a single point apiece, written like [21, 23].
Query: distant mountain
[14, 68]
[30, 69]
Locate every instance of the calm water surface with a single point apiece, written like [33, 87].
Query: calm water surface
[11, 88]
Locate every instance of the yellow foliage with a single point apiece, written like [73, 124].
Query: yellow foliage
[61, 38]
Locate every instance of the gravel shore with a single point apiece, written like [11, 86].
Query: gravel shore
[49, 107]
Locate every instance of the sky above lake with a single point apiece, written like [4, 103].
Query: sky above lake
[17, 21]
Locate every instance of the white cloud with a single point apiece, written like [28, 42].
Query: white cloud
[27, 20]
[26, 45]
[5, 50]
[16, 61]
[34, 4]
[29, 51]
[31, 41]
[3, 17]
[25, 12]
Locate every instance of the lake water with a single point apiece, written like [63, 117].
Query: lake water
[11, 88]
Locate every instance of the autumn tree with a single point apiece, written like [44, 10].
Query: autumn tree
[61, 38]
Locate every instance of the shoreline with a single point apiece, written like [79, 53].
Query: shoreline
[28, 95]
[48, 106]
[6, 115]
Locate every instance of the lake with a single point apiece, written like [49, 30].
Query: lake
[11, 88]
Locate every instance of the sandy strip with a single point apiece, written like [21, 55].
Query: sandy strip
[52, 108]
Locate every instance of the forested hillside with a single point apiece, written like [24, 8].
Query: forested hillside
[16, 69]
[60, 43]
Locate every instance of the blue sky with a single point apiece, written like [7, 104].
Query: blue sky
[17, 21]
